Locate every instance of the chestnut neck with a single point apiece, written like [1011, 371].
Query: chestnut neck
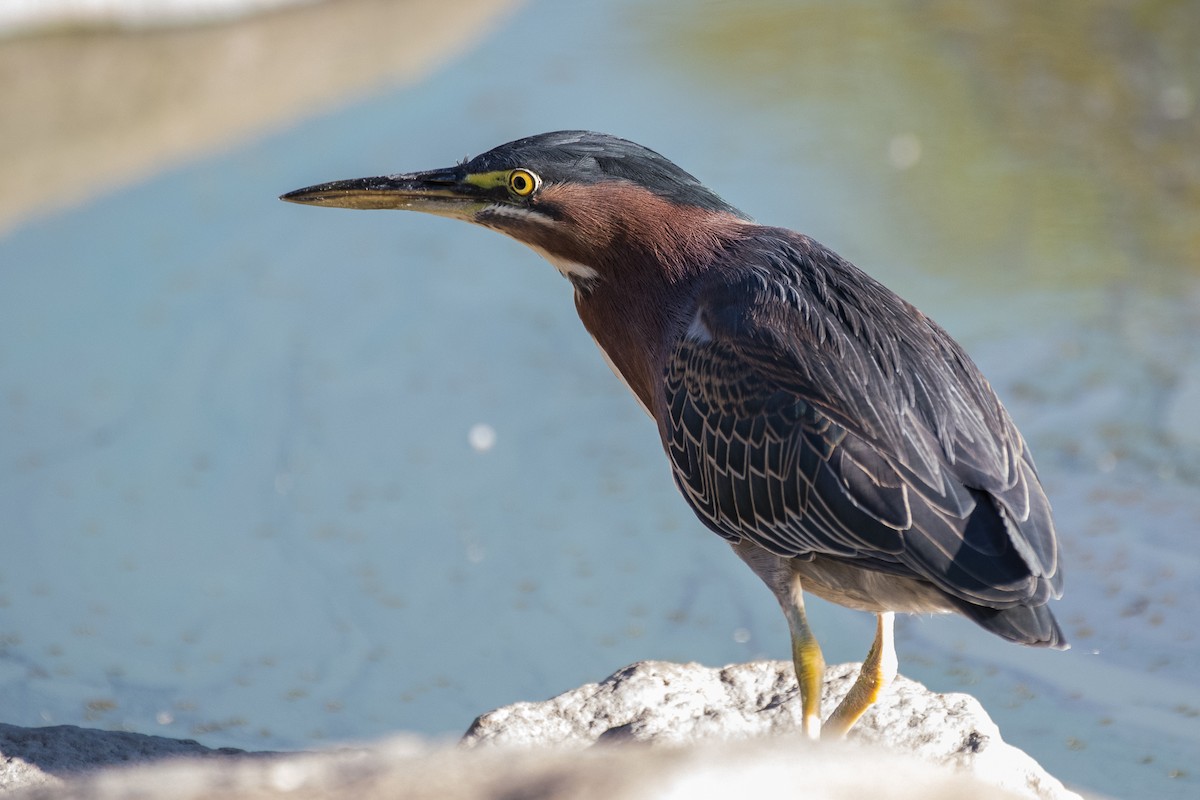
[647, 254]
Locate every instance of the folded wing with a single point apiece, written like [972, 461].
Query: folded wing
[812, 411]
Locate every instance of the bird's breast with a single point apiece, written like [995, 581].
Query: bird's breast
[630, 330]
[643, 402]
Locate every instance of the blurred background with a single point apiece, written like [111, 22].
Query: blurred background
[278, 477]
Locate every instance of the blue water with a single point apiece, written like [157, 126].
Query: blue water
[238, 492]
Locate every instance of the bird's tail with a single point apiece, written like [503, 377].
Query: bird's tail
[1030, 625]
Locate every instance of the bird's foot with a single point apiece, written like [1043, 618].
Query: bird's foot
[877, 673]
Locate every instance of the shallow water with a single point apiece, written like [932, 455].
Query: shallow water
[240, 495]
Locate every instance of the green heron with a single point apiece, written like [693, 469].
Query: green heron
[835, 436]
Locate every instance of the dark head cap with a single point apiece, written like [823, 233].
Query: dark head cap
[588, 157]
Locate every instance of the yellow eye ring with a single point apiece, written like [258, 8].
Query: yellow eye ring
[522, 182]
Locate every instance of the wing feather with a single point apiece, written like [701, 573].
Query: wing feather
[821, 414]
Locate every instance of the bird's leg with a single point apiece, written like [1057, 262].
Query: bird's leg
[877, 672]
[808, 660]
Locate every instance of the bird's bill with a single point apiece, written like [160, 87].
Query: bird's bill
[441, 192]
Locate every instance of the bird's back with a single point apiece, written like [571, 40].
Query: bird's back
[810, 410]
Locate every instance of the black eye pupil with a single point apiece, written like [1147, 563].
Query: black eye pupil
[519, 183]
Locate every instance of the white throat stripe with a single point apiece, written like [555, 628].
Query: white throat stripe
[514, 212]
[568, 268]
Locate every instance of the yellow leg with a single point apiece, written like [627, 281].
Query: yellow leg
[877, 673]
[808, 660]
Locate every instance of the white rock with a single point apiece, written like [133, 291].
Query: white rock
[678, 704]
[393, 770]
[712, 722]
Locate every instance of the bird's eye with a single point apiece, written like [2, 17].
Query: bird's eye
[522, 182]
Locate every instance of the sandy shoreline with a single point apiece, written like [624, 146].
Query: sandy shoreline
[86, 111]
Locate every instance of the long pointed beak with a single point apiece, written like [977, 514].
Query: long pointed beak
[441, 192]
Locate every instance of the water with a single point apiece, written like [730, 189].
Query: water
[241, 483]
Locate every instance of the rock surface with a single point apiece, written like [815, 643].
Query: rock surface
[400, 769]
[668, 703]
[711, 721]
[41, 756]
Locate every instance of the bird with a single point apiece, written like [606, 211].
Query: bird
[838, 439]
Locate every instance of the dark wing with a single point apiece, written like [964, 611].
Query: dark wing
[813, 411]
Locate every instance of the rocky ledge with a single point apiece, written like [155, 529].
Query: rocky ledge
[687, 731]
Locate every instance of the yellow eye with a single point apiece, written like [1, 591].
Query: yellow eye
[522, 182]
